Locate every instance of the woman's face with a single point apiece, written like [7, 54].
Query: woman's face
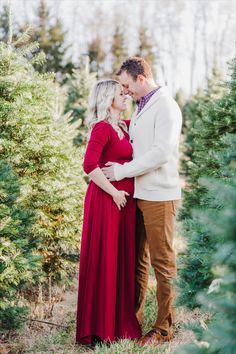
[119, 101]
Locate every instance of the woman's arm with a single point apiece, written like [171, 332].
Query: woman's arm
[98, 139]
[98, 177]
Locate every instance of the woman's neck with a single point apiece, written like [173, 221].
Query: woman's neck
[115, 115]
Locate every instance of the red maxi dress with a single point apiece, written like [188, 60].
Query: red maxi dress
[106, 299]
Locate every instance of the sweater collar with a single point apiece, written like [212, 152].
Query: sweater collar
[151, 101]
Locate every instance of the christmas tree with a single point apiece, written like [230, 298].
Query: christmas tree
[215, 118]
[145, 47]
[119, 50]
[96, 55]
[193, 112]
[79, 85]
[52, 41]
[219, 219]
[4, 23]
[19, 263]
[41, 181]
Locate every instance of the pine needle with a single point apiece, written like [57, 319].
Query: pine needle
[24, 38]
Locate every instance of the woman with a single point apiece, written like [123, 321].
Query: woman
[106, 310]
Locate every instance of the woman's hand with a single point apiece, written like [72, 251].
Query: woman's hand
[120, 199]
[98, 177]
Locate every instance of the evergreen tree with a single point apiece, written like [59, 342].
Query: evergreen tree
[119, 50]
[216, 120]
[96, 55]
[51, 38]
[194, 111]
[79, 85]
[18, 261]
[4, 15]
[44, 168]
[180, 98]
[218, 336]
[145, 47]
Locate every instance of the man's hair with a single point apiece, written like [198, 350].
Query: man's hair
[135, 66]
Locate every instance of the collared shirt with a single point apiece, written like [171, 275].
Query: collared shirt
[144, 100]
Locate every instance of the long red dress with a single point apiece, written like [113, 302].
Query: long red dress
[106, 307]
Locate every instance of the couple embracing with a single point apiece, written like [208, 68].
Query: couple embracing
[129, 209]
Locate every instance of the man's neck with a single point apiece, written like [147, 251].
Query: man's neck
[150, 87]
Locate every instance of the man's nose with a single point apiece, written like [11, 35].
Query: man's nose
[126, 91]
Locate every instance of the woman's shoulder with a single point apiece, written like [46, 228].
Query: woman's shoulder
[101, 129]
[102, 124]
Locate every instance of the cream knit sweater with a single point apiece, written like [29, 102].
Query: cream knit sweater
[155, 134]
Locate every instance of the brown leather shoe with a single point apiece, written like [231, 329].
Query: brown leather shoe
[154, 337]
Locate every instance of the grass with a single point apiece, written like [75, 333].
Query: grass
[40, 338]
[44, 339]
[47, 339]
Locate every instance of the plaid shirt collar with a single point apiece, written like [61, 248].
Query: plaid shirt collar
[144, 100]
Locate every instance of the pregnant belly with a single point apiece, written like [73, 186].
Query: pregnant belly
[126, 184]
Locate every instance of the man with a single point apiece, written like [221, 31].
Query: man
[154, 133]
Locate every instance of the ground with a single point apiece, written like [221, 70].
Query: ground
[42, 338]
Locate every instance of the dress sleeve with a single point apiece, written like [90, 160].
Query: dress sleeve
[98, 139]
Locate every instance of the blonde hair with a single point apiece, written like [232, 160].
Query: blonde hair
[100, 101]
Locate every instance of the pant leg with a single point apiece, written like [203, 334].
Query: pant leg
[142, 266]
[159, 220]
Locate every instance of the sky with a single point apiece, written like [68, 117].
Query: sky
[171, 25]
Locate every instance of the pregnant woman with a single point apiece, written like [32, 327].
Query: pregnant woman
[106, 307]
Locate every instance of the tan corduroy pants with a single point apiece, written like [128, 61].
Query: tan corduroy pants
[155, 231]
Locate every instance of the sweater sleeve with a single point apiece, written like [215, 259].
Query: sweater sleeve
[98, 139]
[167, 133]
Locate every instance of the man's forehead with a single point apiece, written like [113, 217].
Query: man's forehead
[125, 78]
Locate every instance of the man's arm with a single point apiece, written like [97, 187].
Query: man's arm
[167, 132]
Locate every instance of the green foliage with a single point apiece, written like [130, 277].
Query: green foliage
[193, 114]
[119, 50]
[145, 48]
[19, 265]
[79, 85]
[41, 186]
[180, 98]
[51, 38]
[96, 55]
[215, 118]
[4, 16]
[219, 335]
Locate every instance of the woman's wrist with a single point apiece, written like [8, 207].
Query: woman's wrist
[114, 192]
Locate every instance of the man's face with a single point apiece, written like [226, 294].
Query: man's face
[131, 87]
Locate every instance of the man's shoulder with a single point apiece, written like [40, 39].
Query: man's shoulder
[166, 98]
[164, 93]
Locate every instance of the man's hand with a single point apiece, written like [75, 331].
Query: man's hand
[109, 171]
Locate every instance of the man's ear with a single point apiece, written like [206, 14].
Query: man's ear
[141, 79]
